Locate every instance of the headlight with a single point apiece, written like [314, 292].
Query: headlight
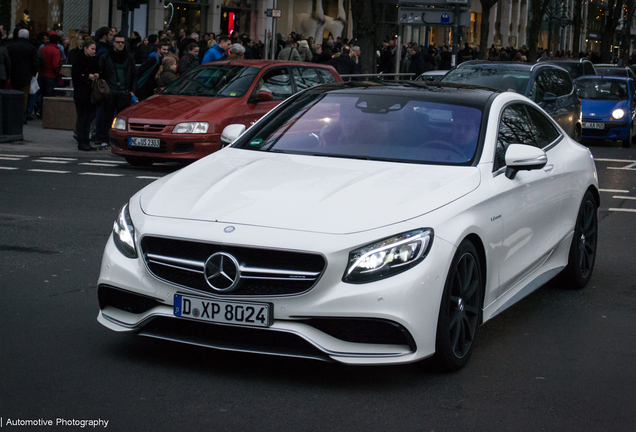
[618, 113]
[191, 128]
[119, 123]
[388, 257]
[124, 234]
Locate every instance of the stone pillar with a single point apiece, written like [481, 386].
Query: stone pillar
[504, 19]
[156, 13]
[514, 22]
[100, 14]
[523, 23]
[493, 26]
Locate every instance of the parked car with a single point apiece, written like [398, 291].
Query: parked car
[548, 85]
[363, 224]
[185, 121]
[432, 76]
[608, 107]
[613, 70]
[575, 67]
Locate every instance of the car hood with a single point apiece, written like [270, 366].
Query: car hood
[307, 193]
[601, 109]
[174, 109]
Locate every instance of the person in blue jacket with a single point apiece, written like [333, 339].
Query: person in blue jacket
[218, 51]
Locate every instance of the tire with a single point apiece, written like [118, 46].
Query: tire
[460, 311]
[627, 142]
[138, 162]
[577, 135]
[582, 254]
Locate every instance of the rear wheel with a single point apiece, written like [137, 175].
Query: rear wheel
[576, 135]
[583, 249]
[459, 314]
[138, 162]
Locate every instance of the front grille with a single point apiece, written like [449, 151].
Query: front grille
[264, 272]
[595, 132]
[232, 338]
[124, 300]
[142, 127]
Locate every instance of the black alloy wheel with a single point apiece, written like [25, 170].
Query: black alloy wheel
[460, 311]
[583, 249]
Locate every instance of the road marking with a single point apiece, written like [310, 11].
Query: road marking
[101, 174]
[614, 190]
[614, 160]
[58, 158]
[50, 171]
[148, 177]
[622, 197]
[8, 168]
[97, 164]
[9, 158]
[623, 210]
[51, 161]
[18, 156]
[108, 161]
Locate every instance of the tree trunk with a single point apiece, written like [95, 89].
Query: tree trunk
[626, 37]
[539, 8]
[486, 5]
[364, 30]
[612, 16]
[577, 23]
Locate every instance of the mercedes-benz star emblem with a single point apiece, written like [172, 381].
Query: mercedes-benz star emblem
[222, 272]
[229, 229]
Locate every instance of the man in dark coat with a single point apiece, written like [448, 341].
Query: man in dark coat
[146, 82]
[144, 51]
[117, 68]
[24, 64]
[343, 64]
[417, 65]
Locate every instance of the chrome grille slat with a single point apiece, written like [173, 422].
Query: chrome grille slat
[264, 272]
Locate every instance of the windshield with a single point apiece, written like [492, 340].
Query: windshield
[611, 71]
[217, 80]
[371, 126]
[601, 89]
[496, 78]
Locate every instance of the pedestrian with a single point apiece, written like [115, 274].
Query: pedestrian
[190, 59]
[218, 51]
[417, 65]
[167, 73]
[117, 67]
[49, 75]
[83, 74]
[248, 44]
[103, 39]
[304, 51]
[146, 50]
[5, 67]
[24, 65]
[146, 83]
[236, 52]
[343, 63]
[289, 52]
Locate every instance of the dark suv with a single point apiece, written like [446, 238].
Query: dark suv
[576, 68]
[548, 85]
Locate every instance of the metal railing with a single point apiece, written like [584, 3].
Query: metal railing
[67, 90]
[380, 75]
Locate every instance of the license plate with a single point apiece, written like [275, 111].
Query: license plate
[236, 313]
[588, 125]
[144, 142]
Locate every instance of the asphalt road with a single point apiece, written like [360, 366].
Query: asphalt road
[558, 361]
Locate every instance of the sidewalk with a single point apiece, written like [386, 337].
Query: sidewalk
[39, 140]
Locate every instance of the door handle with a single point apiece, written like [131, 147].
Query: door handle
[548, 168]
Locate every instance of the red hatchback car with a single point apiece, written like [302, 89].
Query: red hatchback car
[185, 121]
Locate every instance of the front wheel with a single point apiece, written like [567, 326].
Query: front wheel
[583, 249]
[627, 142]
[459, 314]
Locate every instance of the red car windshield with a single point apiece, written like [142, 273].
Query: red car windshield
[214, 80]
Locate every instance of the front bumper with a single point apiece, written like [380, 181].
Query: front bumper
[173, 147]
[390, 321]
[612, 130]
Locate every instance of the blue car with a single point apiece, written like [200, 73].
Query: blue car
[608, 105]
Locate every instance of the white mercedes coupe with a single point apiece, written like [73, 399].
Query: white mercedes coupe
[361, 223]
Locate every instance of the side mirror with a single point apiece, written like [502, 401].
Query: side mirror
[264, 96]
[522, 157]
[549, 98]
[231, 134]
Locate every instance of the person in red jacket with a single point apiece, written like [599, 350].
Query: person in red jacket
[52, 63]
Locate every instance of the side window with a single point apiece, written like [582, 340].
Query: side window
[589, 69]
[539, 87]
[565, 83]
[514, 128]
[278, 82]
[555, 83]
[305, 78]
[543, 129]
[326, 76]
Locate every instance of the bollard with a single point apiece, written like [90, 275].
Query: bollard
[12, 115]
